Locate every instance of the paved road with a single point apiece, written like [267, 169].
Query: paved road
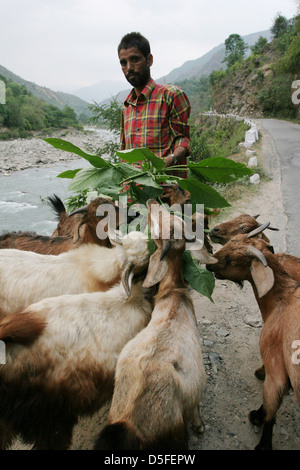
[286, 138]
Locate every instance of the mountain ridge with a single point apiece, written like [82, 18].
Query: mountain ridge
[194, 68]
[56, 98]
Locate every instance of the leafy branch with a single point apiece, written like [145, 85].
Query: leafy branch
[139, 175]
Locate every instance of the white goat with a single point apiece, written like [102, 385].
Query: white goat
[160, 375]
[63, 364]
[27, 277]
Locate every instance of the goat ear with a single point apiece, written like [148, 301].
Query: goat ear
[202, 255]
[262, 276]
[157, 269]
[79, 229]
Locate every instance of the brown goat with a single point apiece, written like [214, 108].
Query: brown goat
[83, 229]
[278, 297]
[243, 223]
[160, 374]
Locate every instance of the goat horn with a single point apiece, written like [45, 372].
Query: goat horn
[254, 252]
[80, 210]
[127, 277]
[270, 228]
[114, 235]
[258, 230]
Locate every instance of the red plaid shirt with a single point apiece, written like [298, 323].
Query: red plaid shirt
[156, 119]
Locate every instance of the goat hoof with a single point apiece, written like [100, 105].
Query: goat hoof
[260, 373]
[199, 429]
[255, 417]
[261, 446]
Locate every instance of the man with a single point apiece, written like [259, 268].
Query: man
[153, 116]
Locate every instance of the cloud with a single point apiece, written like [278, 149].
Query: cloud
[68, 44]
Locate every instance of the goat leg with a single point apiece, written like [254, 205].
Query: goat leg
[257, 417]
[6, 436]
[197, 423]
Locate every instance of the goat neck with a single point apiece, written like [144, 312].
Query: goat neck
[174, 277]
[279, 295]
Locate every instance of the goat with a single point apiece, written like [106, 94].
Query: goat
[27, 277]
[160, 375]
[243, 223]
[73, 234]
[278, 297]
[61, 355]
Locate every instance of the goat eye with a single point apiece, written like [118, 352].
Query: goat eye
[244, 229]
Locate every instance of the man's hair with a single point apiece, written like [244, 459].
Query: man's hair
[135, 40]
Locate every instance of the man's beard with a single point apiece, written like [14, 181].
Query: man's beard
[139, 80]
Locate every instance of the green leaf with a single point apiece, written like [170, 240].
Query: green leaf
[105, 179]
[199, 278]
[94, 160]
[203, 194]
[148, 180]
[127, 170]
[140, 154]
[219, 170]
[143, 193]
[68, 174]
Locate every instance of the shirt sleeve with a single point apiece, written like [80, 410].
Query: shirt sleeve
[179, 115]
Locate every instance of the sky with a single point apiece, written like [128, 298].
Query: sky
[69, 44]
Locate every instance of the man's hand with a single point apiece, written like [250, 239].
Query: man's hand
[175, 158]
[170, 160]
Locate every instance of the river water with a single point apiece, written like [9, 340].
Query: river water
[23, 197]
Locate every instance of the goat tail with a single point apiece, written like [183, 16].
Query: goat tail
[21, 327]
[117, 436]
[57, 204]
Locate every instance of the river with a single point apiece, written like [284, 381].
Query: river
[23, 196]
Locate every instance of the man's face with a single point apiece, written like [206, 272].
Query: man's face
[135, 66]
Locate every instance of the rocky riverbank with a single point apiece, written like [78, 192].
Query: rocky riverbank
[21, 154]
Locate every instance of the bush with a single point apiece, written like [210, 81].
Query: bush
[276, 98]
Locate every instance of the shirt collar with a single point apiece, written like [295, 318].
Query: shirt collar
[145, 94]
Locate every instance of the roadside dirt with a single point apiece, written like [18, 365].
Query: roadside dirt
[230, 329]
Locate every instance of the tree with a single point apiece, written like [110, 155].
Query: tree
[280, 26]
[260, 45]
[235, 49]
[108, 115]
[291, 60]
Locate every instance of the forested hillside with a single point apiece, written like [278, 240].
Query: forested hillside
[23, 113]
[256, 86]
